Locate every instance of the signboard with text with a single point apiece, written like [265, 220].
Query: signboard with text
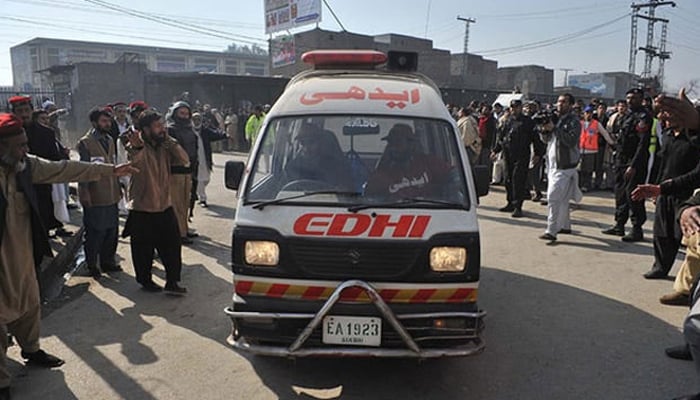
[281, 15]
[282, 51]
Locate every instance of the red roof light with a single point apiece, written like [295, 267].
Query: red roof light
[344, 57]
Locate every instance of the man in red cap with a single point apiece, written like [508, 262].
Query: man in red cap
[42, 143]
[23, 240]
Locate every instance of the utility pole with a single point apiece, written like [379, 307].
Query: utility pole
[465, 57]
[650, 50]
[566, 75]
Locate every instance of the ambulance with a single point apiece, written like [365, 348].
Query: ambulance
[356, 228]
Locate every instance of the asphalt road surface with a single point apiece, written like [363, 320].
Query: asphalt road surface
[574, 320]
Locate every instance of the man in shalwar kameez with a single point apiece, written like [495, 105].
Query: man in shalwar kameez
[24, 242]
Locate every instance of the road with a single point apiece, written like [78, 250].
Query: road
[574, 320]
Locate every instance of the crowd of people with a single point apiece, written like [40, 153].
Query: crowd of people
[641, 149]
[135, 163]
[154, 169]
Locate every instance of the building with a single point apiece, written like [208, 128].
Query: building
[81, 86]
[527, 79]
[40, 54]
[482, 73]
[609, 85]
[432, 62]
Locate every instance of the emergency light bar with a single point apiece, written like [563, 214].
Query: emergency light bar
[339, 58]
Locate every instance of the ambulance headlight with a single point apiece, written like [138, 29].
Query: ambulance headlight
[262, 253]
[448, 259]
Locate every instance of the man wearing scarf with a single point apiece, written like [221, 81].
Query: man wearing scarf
[23, 239]
[182, 186]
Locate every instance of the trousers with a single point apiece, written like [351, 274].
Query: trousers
[26, 331]
[101, 234]
[516, 180]
[690, 269]
[625, 207]
[154, 231]
[560, 190]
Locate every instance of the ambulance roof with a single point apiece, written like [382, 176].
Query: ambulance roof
[360, 92]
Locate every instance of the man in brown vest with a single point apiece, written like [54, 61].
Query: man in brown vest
[100, 199]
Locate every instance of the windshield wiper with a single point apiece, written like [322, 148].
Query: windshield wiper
[263, 204]
[409, 201]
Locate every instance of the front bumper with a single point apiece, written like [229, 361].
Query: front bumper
[412, 334]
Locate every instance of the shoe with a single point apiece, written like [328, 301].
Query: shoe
[517, 213]
[203, 204]
[655, 273]
[565, 231]
[186, 240]
[537, 197]
[112, 268]
[508, 208]
[192, 234]
[544, 202]
[615, 231]
[95, 272]
[5, 393]
[680, 352]
[689, 397]
[549, 237]
[42, 359]
[675, 299]
[63, 233]
[634, 236]
[151, 287]
[585, 190]
[174, 289]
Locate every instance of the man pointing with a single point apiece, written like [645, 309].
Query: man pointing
[24, 242]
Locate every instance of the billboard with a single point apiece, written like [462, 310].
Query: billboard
[281, 15]
[598, 84]
[282, 51]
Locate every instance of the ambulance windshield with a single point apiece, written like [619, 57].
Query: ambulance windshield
[358, 160]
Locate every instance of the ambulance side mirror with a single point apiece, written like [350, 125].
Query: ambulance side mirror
[233, 174]
[482, 179]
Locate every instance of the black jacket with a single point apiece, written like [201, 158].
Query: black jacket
[633, 143]
[515, 137]
[679, 171]
[210, 135]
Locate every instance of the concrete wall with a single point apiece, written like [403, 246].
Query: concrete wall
[482, 73]
[528, 78]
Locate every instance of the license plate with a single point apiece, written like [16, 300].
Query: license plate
[352, 331]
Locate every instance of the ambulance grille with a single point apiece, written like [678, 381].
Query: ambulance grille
[354, 261]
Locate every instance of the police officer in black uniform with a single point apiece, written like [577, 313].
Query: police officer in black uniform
[631, 157]
[515, 136]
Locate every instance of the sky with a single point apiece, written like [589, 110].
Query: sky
[591, 36]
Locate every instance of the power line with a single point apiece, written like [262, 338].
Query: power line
[556, 13]
[550, 41]
[174, 23]
[334, 16]
[93, 31]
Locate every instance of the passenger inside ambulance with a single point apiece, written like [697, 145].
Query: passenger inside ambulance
[317, 161]
[404, 172]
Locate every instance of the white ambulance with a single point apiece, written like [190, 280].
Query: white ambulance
[356, 228]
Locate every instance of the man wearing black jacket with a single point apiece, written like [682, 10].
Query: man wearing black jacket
[679, 175]
[630, 166]
[42, 143]
[515, 136]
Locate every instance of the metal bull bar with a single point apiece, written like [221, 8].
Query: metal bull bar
[413, 350]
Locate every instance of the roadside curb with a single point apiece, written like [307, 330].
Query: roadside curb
[52, 275]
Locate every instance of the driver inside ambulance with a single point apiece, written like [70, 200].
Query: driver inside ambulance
[317, 157]
[403, 172]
